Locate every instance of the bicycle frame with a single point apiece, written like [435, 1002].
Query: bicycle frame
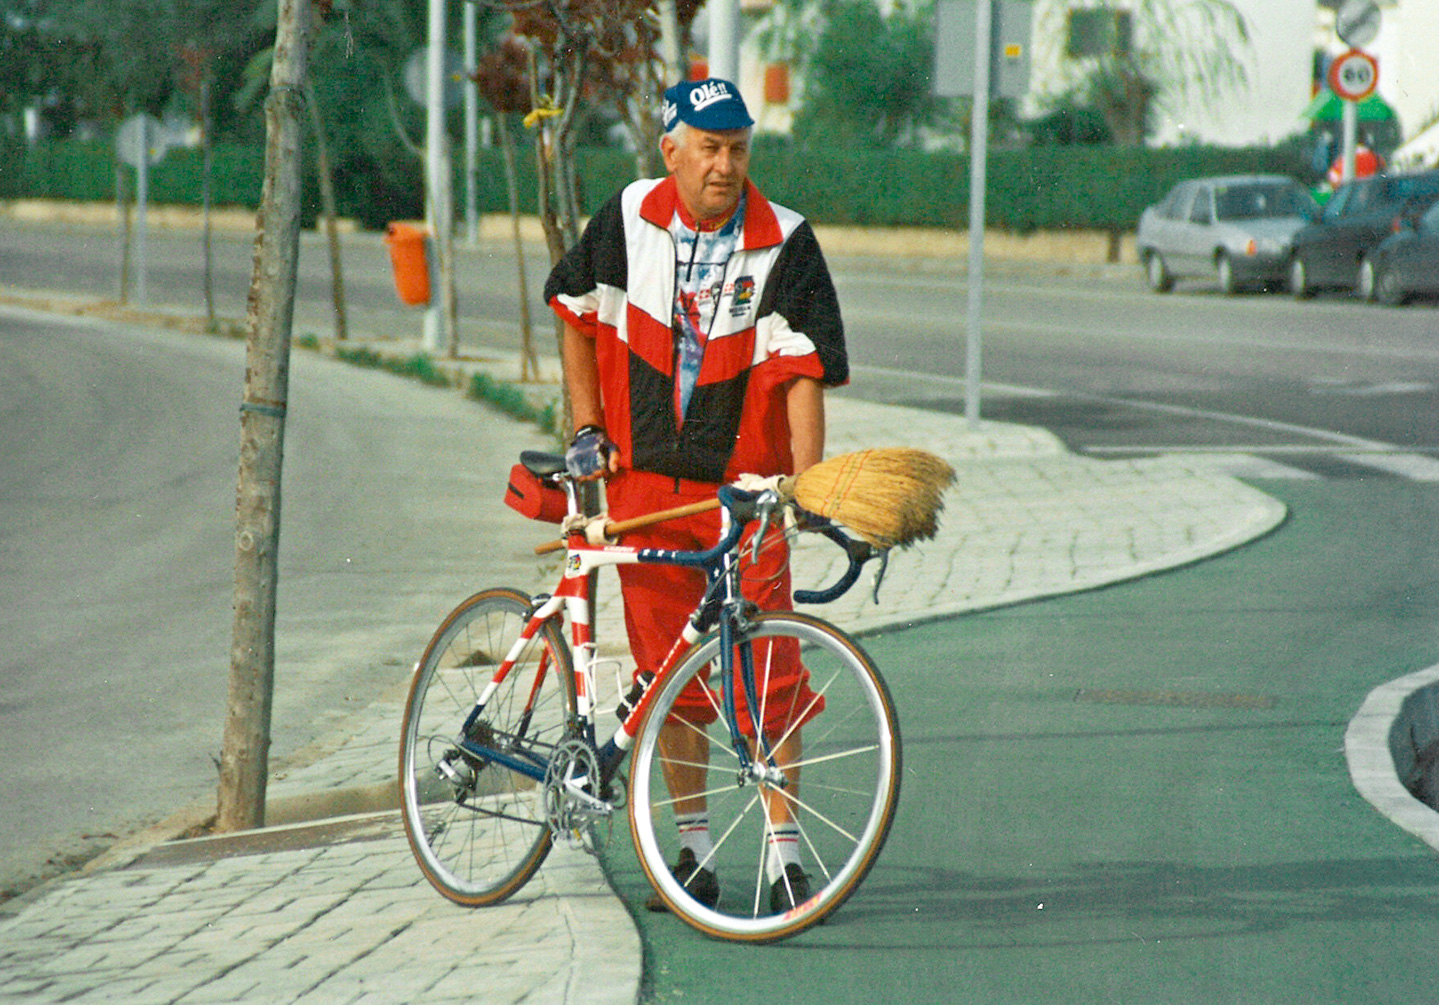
[722, 603]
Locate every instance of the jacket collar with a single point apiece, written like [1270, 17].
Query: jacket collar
[761, 226]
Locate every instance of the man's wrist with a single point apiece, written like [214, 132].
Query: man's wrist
[588, 427]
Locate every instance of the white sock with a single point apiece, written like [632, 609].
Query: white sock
[782, 849]
[694, 831]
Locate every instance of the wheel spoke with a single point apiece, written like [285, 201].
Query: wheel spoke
[839, 786]
[477, 828]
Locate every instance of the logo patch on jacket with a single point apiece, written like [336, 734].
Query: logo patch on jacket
[743, 296]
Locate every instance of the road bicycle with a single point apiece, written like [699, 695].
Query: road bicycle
[499, 754]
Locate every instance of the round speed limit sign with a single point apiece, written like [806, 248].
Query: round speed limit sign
[1354, 75]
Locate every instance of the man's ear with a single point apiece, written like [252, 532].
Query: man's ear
[667, 151]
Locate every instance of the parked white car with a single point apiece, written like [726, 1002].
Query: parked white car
[1237, 229]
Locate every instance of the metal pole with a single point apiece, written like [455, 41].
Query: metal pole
[978, 171]
[1351, 137]
[142, 200]
[670, 41]
[472, 128]
[437, 160]
[724, 39]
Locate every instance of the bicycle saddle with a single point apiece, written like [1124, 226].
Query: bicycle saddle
[542, 464]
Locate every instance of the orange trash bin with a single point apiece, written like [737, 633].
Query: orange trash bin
[407, 256]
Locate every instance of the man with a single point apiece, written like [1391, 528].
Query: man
[701, 327]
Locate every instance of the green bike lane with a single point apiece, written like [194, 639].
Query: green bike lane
[1137, 794]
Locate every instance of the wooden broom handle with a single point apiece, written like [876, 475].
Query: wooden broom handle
[660, 516]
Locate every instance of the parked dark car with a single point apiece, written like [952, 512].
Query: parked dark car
[1329, 254]
[1406, 264]
[1235, 228]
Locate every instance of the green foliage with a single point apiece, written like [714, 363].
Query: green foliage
[868, 79]
[513, 402]
[418, 367]
[1031, 188]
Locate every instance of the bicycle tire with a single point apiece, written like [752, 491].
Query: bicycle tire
[478, 830]
[844, 802]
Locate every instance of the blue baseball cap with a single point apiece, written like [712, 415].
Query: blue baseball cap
[714, 105]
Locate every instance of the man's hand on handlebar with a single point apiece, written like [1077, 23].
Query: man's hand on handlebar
[591, 455]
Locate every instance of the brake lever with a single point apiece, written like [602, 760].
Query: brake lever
[879, 573]
[766, 501]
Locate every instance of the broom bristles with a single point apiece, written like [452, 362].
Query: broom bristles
[888, 496]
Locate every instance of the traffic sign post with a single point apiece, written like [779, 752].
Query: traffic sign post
[1353, 77]
[1357, 22]
[981, 48]
[141, 141]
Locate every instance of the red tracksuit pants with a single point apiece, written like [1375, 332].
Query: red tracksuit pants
[658, 600]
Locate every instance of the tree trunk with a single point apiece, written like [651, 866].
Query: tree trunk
[122, 207]
[208, 162]
[244, 760]
[529, 365]
[327, 205]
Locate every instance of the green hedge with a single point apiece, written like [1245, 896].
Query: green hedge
[85, 172]
[1033, 188]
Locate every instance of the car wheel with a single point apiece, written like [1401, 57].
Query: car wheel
[1160, 279]
[1364, 284]
[1388, 290]
[1299, 279]
[1228, 284]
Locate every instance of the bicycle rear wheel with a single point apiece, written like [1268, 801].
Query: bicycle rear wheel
[478, 830]
[841, 791]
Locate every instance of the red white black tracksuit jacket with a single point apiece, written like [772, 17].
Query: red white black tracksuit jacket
[778, 318]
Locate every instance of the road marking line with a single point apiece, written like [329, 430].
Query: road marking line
[1415, 467]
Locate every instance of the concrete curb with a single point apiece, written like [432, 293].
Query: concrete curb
[1400, 718]
[1059, 246]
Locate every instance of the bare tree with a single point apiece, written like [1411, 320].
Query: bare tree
[502, 81]
[244, 761]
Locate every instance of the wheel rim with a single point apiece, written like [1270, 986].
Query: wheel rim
[1366, 280]
[1386, 284]
[843, 802]
[1226, 274]
[478, 830]
[1298, 280]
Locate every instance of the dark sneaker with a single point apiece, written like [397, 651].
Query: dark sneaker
[789, 890]
[699, 883]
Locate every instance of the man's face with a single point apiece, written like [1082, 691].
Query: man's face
[710, 170]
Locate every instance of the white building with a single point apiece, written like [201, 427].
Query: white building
[1258, 100]
[1261, 103]
[1277, 59]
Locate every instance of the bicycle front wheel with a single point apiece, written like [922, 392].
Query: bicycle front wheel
[829, 787]
[478, 829]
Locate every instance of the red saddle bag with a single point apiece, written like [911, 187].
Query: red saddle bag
[533, 498]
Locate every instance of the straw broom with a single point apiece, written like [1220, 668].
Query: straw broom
[889, 496]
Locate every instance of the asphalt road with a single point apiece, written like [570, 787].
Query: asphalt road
[118, 459]
[1137, 794]
[1256, 371]
[1092, 338]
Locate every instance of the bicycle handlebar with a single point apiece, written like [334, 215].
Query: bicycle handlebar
[746, 507]
[859, 552]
